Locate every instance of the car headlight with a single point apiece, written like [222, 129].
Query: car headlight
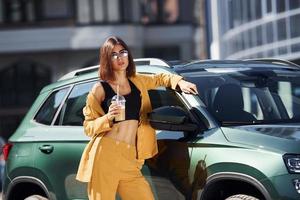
[292, 162]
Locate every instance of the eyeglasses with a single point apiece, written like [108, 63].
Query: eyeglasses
[122, 54]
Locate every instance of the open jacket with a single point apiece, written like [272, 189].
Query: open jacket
[96, 124]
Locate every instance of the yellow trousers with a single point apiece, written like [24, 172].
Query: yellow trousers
[116, 169]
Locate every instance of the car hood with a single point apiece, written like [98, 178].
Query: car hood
[277, 138]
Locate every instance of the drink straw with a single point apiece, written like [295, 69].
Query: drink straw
[118, 94]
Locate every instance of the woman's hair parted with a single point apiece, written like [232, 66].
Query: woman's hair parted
[105, 69]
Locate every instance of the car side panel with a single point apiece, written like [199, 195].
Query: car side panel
[60, 168]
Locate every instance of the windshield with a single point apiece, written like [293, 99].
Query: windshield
[249, 96]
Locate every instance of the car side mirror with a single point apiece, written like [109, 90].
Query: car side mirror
[171, 118]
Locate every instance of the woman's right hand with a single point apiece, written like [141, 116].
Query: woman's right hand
[113, 111]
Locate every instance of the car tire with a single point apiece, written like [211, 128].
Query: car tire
[36, 197]
[241, 197]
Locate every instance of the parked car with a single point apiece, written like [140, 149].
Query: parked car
[238, 139]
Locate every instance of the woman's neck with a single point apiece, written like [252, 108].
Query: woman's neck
[120, 79]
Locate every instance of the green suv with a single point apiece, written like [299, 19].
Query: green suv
[238, 139]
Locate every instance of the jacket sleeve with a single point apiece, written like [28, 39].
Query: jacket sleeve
[95, 121]
[162, 79]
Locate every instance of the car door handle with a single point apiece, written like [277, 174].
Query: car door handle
[46, 148]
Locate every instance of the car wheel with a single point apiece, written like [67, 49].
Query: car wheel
[241, 197]
[36, 197]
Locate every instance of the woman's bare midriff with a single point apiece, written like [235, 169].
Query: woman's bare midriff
[125, 131]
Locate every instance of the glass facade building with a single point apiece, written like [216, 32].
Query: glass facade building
[243, 29]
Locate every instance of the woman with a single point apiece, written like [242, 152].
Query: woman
[112, 160]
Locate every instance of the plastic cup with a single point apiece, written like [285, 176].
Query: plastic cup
[120, 101]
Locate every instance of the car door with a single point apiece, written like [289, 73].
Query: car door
[59, 151]
[168, 171]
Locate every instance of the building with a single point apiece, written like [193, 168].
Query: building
[40, 40]
[242, 29]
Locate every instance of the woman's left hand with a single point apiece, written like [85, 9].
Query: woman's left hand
[187, 87]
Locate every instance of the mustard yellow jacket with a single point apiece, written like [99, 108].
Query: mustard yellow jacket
[96, 124]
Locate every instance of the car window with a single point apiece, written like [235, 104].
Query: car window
[248, 100]
[289, 94]
[251, 103]
[71, 112]
[252, 96]
[49, 108]
[164, 97]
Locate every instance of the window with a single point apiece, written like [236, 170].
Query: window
[101, 11]
[248, 11]
[106, 11]
[270, 32]
[289, 94]
[258, 9]
[21, 11]
[231, 102]
[240, 42]
[282, 29]
[230, 14]
[282, 50]
[164, 97]
[269, 6]
[280, 6]
[251, 103]
[71, 112]
[15, 11]
[160, 11]
[294, 4]
[50, 107]
[253, 37]
[56, 9]
[296, 47]
[236, 13]
[294, 24]
[259, 35]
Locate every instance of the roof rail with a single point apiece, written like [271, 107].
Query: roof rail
[151, 61]
[275, 60]
[79, 71]
[138, 61]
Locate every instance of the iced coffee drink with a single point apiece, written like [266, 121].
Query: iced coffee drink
[119, 100]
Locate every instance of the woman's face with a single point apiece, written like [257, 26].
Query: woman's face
[119, 58]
